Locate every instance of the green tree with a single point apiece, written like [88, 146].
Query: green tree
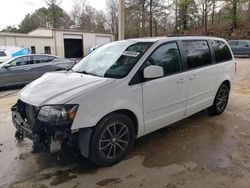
[55, 14]
[31, 22]
[188, 12]
[10, 29]
[232, 12]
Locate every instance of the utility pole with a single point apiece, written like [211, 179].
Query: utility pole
[121, 35]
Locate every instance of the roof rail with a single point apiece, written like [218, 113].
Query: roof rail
[181, 35]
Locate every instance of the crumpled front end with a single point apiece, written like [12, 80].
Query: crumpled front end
[25, 118]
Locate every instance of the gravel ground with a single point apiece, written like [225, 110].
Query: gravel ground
[201, 151]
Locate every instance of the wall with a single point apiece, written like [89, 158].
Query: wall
[46, 37]
[89, 40]
[39, 43]
[41, 32]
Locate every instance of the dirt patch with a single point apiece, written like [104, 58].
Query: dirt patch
[109, 182]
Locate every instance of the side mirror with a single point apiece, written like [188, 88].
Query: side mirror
[153, 71]
[7, 66]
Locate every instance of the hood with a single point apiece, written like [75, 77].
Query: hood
[60, 87]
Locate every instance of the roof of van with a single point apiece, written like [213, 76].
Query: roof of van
[155, 39]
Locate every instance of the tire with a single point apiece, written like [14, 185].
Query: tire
[112, 139]
[220, 101]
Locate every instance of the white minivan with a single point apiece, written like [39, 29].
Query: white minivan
[124, 90]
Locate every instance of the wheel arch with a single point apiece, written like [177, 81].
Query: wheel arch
[85, 134]
[126, 112]
[227, 83]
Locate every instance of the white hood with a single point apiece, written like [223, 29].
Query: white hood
[60, 87]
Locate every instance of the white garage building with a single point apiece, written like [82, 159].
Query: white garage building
[60, 42]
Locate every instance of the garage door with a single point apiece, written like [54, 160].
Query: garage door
[101, 40]
[73, 46]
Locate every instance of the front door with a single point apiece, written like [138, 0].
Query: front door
[165, 98]
[20, 71]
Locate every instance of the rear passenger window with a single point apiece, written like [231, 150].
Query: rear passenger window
[221, 51]
[168, 57]
[197, 53]
[42, 59]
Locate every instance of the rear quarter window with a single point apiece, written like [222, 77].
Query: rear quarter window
[221, 51]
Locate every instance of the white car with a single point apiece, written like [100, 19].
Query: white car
[125, 90]
[4, 56]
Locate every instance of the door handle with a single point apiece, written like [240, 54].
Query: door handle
[193, 77]
[27, 68]
[181, 80]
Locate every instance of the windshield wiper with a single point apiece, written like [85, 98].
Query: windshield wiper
[87, 73]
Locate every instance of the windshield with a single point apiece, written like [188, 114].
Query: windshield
[113, 60]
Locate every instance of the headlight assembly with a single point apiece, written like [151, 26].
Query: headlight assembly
[58, 114]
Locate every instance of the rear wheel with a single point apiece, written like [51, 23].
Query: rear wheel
[220, 101]
[113, 138]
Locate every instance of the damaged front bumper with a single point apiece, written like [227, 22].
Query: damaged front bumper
[52, 136]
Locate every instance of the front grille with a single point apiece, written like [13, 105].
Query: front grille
[28, 113]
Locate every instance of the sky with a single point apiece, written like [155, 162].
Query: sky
[12, 12]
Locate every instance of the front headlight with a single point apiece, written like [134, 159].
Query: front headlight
[58, 114]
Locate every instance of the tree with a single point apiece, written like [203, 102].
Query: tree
[10, 29]
[54, 13]
[232, 12]
[112, 16]
[151, 17]
[188, 12]
[31, 22]
[213, 11]
[100, 21]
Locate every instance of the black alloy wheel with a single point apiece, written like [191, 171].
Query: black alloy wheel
[112, 139]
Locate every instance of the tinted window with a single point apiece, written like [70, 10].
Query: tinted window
[233, 43]
[42, 59]
[2, 54]
[197, 53]
[221, 51]
[22, 61]
[168, 57]
[243, 44]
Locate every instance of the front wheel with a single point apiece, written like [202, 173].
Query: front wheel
[112, 139]
[220, 101]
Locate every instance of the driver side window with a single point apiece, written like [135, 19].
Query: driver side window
[168, 57]
[21, 61]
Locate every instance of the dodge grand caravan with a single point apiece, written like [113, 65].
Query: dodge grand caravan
[125, 90]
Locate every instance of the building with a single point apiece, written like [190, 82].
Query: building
[60, 42]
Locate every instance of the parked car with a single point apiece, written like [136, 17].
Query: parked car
[4, 56]
[125, 90]
[240, 47]
[24, 69]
